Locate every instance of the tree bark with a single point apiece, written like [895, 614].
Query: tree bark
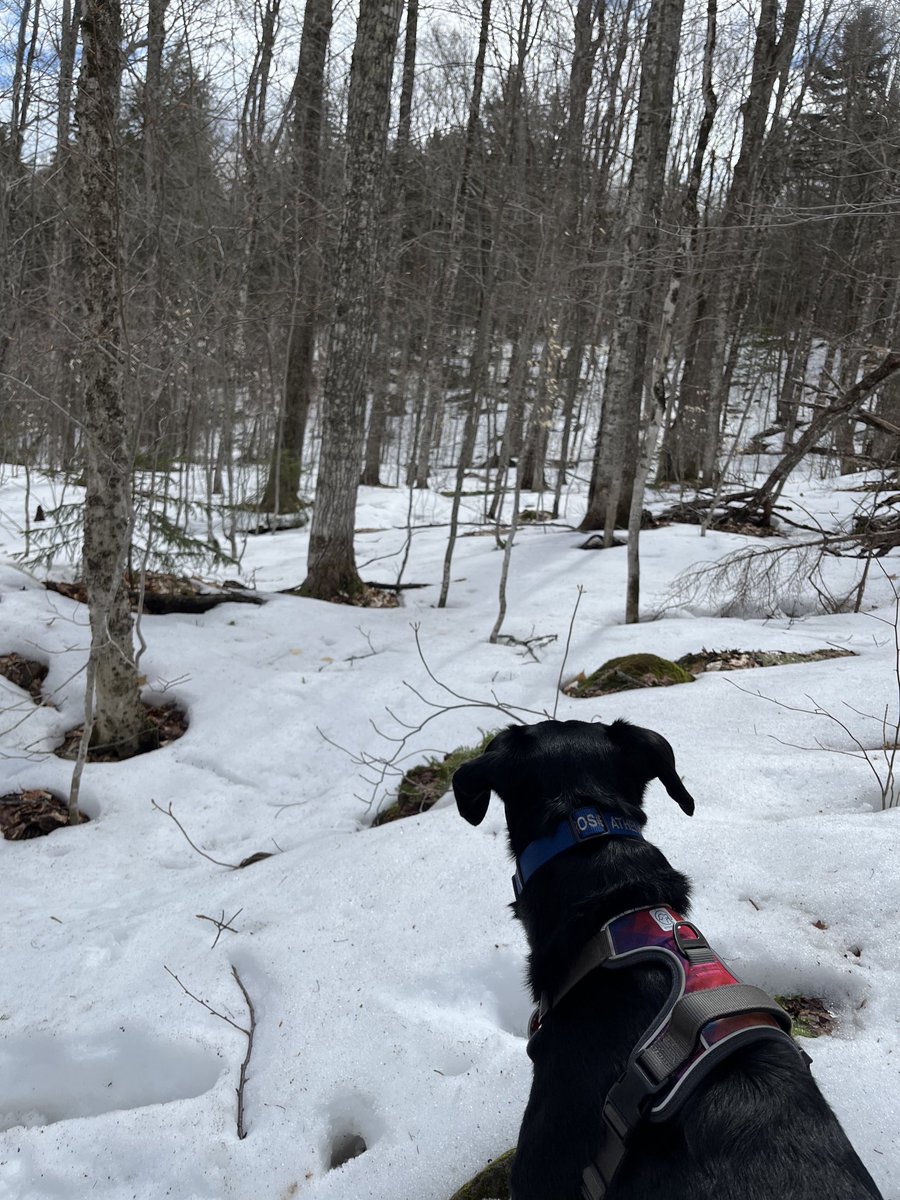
[120, 721]
[450, 274]
[690, 228]
[283, 485]
[397, 201]
[12, 136]
[332, 570]
[617, 442]
[694, 438]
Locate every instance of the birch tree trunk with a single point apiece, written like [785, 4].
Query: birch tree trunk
[120, 721]
[331, 564]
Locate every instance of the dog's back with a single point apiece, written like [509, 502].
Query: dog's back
[757, 1127]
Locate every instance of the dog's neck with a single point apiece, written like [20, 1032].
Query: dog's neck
[568, 900]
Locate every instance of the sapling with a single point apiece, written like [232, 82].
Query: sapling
[881, 759]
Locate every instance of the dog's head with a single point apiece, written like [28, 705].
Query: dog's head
[542, 771]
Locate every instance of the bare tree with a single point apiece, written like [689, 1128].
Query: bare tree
[120, 720]
[282, 489]
[694, 442]
[616, 447]
[331, 566]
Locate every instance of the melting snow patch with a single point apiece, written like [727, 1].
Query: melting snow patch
[47, 1077]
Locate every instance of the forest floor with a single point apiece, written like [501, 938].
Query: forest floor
[383, 964]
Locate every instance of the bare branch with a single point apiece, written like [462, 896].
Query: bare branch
[248, 1034]
[193, 845]
[220, 923]
[241, 1131]
[203, 1004]
[565, 659]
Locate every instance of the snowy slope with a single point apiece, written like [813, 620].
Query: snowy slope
[385, 969]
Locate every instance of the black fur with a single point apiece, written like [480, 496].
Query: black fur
[758, 1128]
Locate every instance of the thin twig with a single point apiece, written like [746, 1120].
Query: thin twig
[209, 1008]
[539, 640]
[241, 1131]
[861, 752]
[565, 659]
[86, 734]
[221, 924]
[383, 767]
[193, 845]
[248, 1034]
[509, 709]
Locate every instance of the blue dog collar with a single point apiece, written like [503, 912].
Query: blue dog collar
[581, 826]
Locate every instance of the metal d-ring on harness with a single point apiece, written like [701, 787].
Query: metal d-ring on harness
[707, 1015]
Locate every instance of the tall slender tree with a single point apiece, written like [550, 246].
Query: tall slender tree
[283, 486]
[617, 442]
[120, 720]
[331, 567]
[692, 449]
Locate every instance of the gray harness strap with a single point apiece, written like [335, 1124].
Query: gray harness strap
[708, 1015]
[693, 1012]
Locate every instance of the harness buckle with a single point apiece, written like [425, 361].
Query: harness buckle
[696, 949]
[621, 1113]
[628, 1099]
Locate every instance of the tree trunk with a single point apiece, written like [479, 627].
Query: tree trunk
[617, 442]
[695, 433]
[331, 565]
[283, 485]
[533, 461]
[823, 423]
[450, 274]
[687, 248]
[396, 203]
[12, 136]
[120, 720]
[63, 185]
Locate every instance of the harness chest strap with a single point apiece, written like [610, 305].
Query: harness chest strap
[707, 1015]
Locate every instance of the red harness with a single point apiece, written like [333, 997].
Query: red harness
[707, 1015]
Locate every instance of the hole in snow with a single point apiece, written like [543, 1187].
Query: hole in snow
[33, 813]
[345, 1146]
[25, 673]
[354, 1126]
[165, 724]
[46, 1078]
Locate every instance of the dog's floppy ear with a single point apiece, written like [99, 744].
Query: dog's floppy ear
[472, 788]
[659, 758]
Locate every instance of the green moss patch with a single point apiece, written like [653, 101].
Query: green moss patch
[810, 1016]
[648, 670]
[628, 671]
[490, 1184]
[742, 660]
[423, 786]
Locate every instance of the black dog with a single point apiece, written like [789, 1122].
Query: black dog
[753, 1125]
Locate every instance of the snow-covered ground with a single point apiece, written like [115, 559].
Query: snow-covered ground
[384, 966]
